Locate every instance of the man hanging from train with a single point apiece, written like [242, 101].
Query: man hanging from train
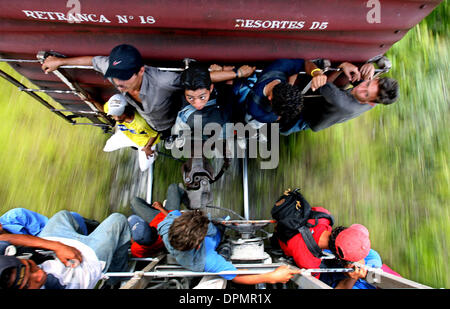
[277, 97]
[207, 102]
[152, 92]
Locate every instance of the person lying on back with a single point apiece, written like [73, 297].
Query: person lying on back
[152, 92]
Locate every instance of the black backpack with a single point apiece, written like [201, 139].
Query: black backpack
[292, 211]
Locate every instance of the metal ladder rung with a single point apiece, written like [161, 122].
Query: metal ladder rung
[48, 90]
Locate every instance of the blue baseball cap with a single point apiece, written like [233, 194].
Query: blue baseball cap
[141, 232]
[124, 61]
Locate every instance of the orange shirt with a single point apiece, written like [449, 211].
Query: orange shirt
[141, 251]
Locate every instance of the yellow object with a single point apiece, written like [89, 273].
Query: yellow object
[138, 130]
[316, 69]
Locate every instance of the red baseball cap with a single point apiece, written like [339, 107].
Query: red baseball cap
[353, 243]
[360, 227]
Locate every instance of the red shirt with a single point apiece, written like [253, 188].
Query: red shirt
[296, 246]
[141, 251]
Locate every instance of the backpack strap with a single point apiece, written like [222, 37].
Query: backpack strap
[310, 242]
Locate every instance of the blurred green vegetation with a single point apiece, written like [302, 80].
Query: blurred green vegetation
[387, 169]
[46, 164]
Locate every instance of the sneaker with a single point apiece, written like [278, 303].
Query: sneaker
[184, 196]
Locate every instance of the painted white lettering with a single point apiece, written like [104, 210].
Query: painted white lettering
[266, 24]
[147, 19]
[60, 16]
[275, 24]
[40, 14]
[323, 25]
[284, 23]
[71, 18]
[29, 14]
[103, 19]
[239, 23]
[50, 15]
[315, 25]
[92, 18]
[300, 25]
[122, 19]
[292, 25]
[82, 17]
[249, 23]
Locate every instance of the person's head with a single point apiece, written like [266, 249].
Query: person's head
[286, 100]
[141, 232]
[197, 85]
[189, 230]
[383, 91]
[118, 108]
[18, 273]
[125, 68]
[350, 244]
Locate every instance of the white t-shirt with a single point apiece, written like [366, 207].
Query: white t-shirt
[84, 276]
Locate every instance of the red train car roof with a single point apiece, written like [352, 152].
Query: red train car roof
[215, 31]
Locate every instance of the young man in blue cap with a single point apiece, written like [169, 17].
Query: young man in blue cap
[151, 91]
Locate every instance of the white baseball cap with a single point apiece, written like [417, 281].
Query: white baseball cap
[115, 105]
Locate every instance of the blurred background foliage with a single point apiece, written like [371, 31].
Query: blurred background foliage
[387, 169]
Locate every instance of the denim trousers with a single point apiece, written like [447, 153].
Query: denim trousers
[110, 240]
[300, 125]
[173, 202]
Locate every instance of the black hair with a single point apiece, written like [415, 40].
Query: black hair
[129, 110]
[387, 90]
[196, 77]
[332, 245]
[287, 101]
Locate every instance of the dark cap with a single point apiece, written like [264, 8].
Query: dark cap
[7, 263]
[124, 61]
[141, 232]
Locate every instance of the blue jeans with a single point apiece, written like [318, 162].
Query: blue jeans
[110, 240]
[145, 210]
[300, 125]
